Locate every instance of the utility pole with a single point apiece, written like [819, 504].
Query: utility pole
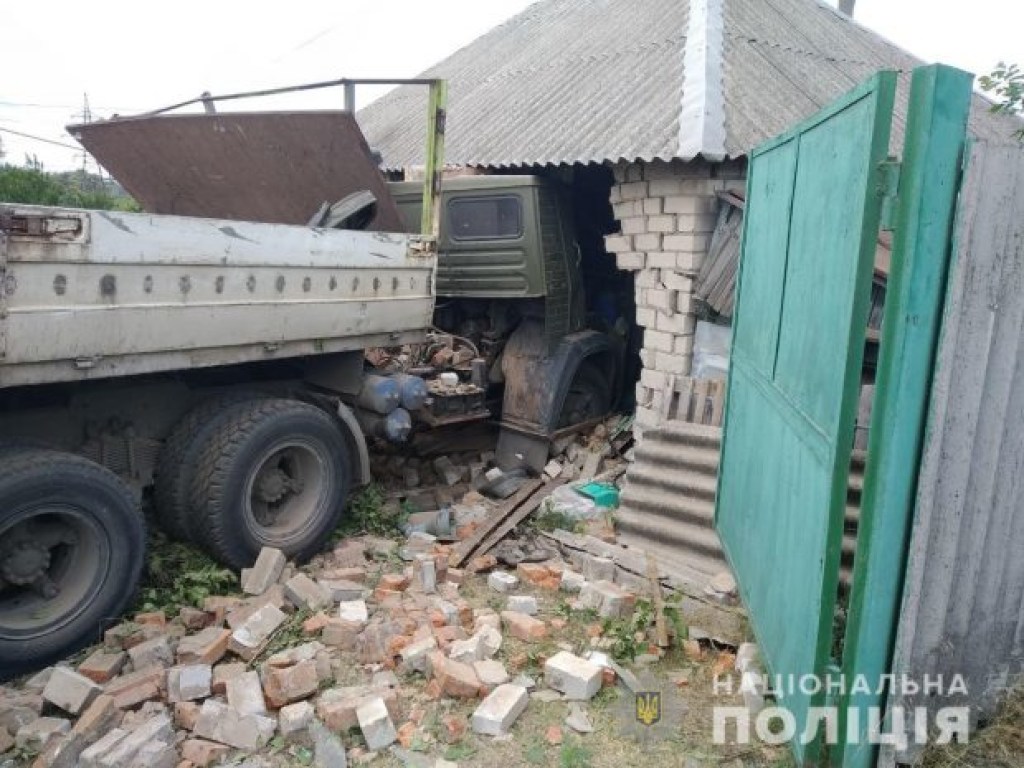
[85, 116]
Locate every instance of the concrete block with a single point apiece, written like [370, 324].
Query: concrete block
[35, 735]
[523, 604]
[658, 341]
[249, 640]
[265, 571]
[337, 707]
[414, 655]
[501, 581]
[342, 590]
[647, 242]
[425, 569]
[663, 223]
[219, 722]
[245, 694]
[499, 711]
[354, 611]
[294, 719]
[608, 599]
[90, 756]
[634, 190]
[646, 317]
[375, 723]
[491, 672]
[189, 682]
[661, 260]
[572, 582]
[467, 651]
[633, 225]
[630, 260]
[70, 690]
[152, 653]
[303, 592]
[578, 679]
[618, 243]
[652, 206]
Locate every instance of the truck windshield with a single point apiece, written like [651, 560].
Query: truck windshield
[495, 217]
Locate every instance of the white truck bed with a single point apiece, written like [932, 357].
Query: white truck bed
[95, 294]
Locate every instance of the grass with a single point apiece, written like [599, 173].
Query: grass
[369, 512]
[179, 574]
[999, 744]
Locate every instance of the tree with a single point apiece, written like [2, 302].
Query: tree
[1006, 84]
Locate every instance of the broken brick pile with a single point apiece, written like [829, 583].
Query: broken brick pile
[238, 672]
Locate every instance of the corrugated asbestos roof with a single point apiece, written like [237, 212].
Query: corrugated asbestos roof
[582, 81]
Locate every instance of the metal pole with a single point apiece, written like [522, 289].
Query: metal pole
[350, 97]
[437, 101]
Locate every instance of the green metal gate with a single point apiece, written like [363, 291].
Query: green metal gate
[815, 200]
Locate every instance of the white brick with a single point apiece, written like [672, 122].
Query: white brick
[677, 281]
[414, 655]
[491, 672]
[646, 317]
[647, 357]
[683, 345]
[649, 278]
[644, 396]
[376, 725]
[675, 324]
[686, 243]
[245, 694]
[653, 379]
[578, 679]
[265, 571]
[572, 581]
[189, 682]
[634, 190]
[633, 225]
[618, 243]
[677, 364]
[647, 242]
[661, 260]
[500, 581]
[523, 604]
[621, 172]
[661, 223]
[69, 690]
[667, 187]
[634, 172]
[652, 206]
[609, 599]
[630, 261]
[647, 417]
[695, 222]
[615, 194]
[500, 710]
[661, 299]
[689, 262]
[629, 208]
[686, 302]
[354, 611]
[691, 204]
[295, 718]
[657, 340]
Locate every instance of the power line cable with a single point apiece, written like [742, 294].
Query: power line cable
[39, 138]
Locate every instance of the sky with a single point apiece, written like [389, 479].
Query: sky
[129, 59]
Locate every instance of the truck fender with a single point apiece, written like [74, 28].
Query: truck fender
[536, 383]
[357, 443]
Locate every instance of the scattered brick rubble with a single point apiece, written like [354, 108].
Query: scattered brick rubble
[305, 656]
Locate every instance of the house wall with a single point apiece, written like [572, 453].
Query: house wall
[667, 212]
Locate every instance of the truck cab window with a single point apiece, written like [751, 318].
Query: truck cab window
[485, 218]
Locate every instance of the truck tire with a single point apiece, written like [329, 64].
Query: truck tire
[179, 457]
[274, 473]
[72, 547]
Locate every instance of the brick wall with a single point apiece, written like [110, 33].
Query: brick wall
[667, 212]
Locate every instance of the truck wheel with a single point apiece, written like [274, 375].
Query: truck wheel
[275, 473]
[72, 546]
[588, 397]
[179, 458]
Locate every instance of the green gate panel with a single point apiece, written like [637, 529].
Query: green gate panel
[813, 202]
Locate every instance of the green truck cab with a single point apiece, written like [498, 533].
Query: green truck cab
[510, 279]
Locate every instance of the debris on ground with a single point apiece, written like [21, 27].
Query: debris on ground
[487, 610]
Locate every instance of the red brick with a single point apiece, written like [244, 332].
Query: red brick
[533, 573]
[185, 714]
[456, 679]
[131, 690]
[153, 619]
[206, 647]
[202, 753]
[523, 627]
[289, 684]
[396, 582]
[102, 666]
[482, 563]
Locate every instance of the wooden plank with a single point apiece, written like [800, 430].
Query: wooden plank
[465, 549]
[669, 395]
[717, 403]
[660, 622]
[700, 396]
[685, 388]
[524, 511]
